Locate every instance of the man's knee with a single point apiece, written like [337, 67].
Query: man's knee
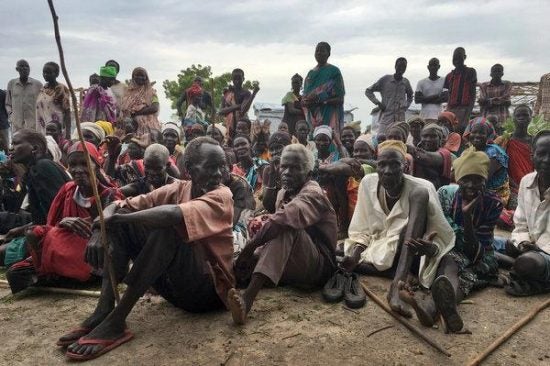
[530, 265]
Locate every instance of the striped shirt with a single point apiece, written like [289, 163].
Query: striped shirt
[542, 105]
[461, 85]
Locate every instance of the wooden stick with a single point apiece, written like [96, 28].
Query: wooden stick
[510, 332]
[417, 332]
[107, 258]
[58, 290]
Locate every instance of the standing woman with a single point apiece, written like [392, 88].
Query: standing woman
[99, 102]
[292, 103]
[141, 102]
[52, 103]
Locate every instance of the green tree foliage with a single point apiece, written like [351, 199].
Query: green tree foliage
[175, 88]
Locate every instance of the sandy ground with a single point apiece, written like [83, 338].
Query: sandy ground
[286, 327]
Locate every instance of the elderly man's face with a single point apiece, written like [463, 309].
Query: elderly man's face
[541, 155]
[430, 140]
[207, 172]
[471, 186]
[391, 165]
[294, 172]
[155, 171]
[170, 138]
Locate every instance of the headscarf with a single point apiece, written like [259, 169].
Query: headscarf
[402, 127]
[279, 137]
[355, 126]
[107, 127]
[107, 71]
[481, 121]
[438, 129]
[395, 145]
[193, 91]
[368, 139]
[323, 129]
[92, 150]
[171, 126]
[197, 127]
[471, 162]
[93, 128]
[416, 119]
[219, 126]
[53, 149]
[138, 94]
[449, 116]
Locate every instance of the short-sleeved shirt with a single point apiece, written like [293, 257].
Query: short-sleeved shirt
[208, 222]
[428, 88]
[21, 103]
[460, 83]
[396, 95]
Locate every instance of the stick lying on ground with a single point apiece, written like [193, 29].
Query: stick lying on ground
[91, 173]
[403, 321]
[510, 332]
[57, 290]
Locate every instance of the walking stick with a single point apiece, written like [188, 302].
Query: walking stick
[417, 332]
[510, 332]
[107, 258]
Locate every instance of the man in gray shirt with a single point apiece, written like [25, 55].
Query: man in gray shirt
[397, 96]
[21, 97]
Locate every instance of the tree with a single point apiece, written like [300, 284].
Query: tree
[175, 88]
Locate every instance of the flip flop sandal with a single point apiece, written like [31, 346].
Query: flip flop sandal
[354, 295]
[444, 298]
[333, 291]
[108, 345]
[73, 336]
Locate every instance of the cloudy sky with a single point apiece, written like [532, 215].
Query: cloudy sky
[272, 40]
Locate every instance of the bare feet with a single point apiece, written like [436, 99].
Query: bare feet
[396, 304]
[237, 306]
[444, 297]
[421, 302]
[109, 329]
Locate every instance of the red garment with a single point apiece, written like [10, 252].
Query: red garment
[520, 162]
[453, 142]
[61, 250]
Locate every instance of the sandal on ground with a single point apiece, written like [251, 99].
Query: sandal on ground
[73, 336]
[107, 344]
[333, 291]
[444, 298]
[354, 295]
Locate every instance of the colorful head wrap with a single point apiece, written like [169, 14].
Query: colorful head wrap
[93, 128]
[193, 91]
[471, 162]
[108, 71]
[279, 137]
[171, 126]
[107, 127]
[481, 121]
[92, 150]
[402, 127]
[323, 130]
[395, 145]
[449, 116]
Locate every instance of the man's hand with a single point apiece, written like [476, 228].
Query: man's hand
[527, 246]
[468, 209]
[350, 262]
[382, 106]
[94, 250]
[14, 233]
[424, 246]
[77, 225]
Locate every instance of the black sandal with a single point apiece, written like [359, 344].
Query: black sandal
[333, 291]
[354, 295]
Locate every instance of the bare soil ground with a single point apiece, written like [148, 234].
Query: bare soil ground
[285, 327]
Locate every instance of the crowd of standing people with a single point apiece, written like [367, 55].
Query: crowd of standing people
[210, 209]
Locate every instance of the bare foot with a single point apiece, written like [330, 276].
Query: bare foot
[237, 306]
[421, 302]
[444, 298]
[396, 304]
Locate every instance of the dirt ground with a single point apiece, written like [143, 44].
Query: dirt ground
[286, 327]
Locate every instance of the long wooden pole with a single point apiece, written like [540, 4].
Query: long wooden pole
[107, 258]
[417, 332]
[509, 333]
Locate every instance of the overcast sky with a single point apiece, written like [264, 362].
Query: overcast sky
[272, 40]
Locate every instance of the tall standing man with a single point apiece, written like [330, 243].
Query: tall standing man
[397, 96]
[430, 93]
[494, 96]
[21, 98]
[461, 83]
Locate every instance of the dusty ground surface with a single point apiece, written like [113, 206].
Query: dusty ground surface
[286, 327]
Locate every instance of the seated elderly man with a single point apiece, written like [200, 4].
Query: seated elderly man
[156, 160]
[388, 230]
[179, 238]
[296, 244]
[531, 235]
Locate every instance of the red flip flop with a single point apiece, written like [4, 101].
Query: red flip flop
[75, 335]
[108, 344]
